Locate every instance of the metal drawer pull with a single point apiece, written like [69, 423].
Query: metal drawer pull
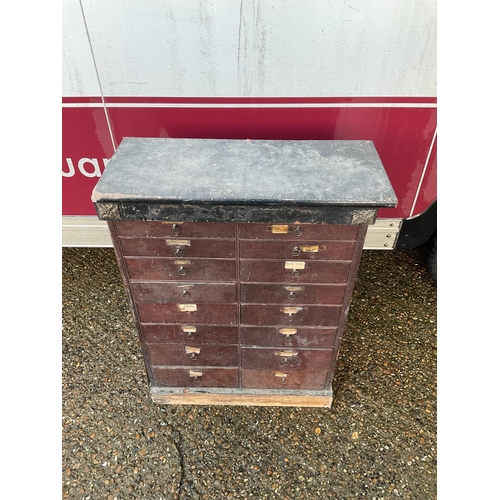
[296, 251]
[182, 271]
[195, 375]
[291, 311]
[292, 296]
[298, 231]
[189, 330]
[193, 351]
[285, 355]
[176, 230]
[288, 332]
[178, 243]
[281, 375]
[185, 294]
[295, 265]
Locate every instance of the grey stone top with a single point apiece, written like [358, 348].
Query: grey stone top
[150, 172]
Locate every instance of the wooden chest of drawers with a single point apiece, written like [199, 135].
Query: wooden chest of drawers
[239, 300]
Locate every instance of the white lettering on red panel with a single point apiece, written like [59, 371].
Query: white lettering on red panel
[89, 167]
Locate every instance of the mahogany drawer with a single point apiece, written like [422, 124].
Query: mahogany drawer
[264, 314]
[283, 379]
[183, 377]
[178, 248]
[307, 250]
[152, 291]
[175, 229]
[214, 314]
[286, 359]
[273, 271]
[157, 268]
[193, 355]
[297, 232]
[182, 334]
[287, 336]
[292, 294]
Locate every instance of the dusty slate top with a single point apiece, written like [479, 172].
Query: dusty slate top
[245, 173]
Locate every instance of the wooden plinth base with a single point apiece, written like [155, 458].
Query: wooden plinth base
[240, 397]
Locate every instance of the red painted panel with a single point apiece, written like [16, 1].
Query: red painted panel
[86, 142]
[428, 191]
[402, 136]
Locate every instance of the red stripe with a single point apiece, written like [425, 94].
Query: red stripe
[82, 100]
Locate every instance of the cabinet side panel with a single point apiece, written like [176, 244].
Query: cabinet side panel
[362, 229]
[126, 282]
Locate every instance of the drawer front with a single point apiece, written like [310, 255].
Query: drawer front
[286, 359]
[187, 314]
[175, 229]
[273, 271]
[281, 379]
[184, 334]
[161, 269]
[193, 355]
[297, 232]
[292, 294]
[287, 336]
[307, 250]
[289, 315]
[178, 248]
[183, 377]
[191, 293]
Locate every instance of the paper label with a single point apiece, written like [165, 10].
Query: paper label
[294, 288]
[311, 248]
[295, 264]
[182, 262]
[288, 331]
[192, 373]
[291, 310]
[281, 374]
[189, 329]
[286, 354]
[179, 243]
[192, 350]
[187, 307]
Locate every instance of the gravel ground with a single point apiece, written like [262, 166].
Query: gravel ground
[378, 441]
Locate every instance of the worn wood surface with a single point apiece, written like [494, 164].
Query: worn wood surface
[181, 355]
[165, 229]
[293, 379]
[181, 377]
[188, 293]
[209, 314]
[183, 334]
[303, 250]
[266, 293]
[178, 247]
[299, 359]
[243, 398]
[273, 337]
[272, 271]
[182, 269]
